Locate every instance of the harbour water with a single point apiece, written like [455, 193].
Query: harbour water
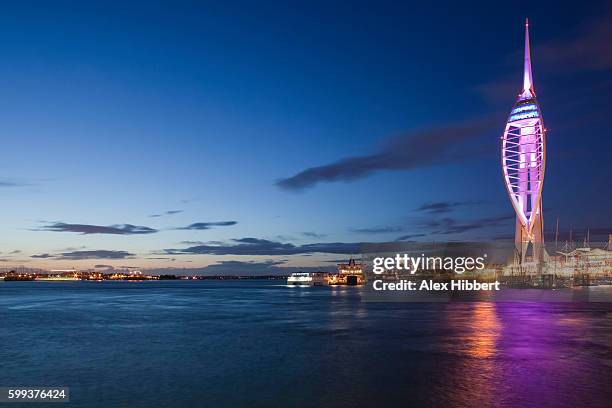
[261, 343]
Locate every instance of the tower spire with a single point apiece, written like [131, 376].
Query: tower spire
[528, 90]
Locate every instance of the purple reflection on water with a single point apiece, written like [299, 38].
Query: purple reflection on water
[527, 354]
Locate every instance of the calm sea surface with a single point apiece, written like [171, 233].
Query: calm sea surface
[260, 343]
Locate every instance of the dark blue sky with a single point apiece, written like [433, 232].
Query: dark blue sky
[113, 115]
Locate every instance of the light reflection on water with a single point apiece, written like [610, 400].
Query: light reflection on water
[209, 343]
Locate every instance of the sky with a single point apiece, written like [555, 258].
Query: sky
[266, 136]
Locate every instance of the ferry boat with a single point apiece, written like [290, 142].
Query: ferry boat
[307, 279]
[350, 273]
[52, 278]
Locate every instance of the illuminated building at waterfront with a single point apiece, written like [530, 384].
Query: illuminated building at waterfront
[523, 164]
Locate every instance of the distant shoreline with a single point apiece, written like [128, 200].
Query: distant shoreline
[34, 278]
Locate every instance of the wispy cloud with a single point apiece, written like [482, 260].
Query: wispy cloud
[196, 242]
[256, 246]
[436, 225]
[104, 266]
[10, 257]
[12, 183]
[426, 147]
[42, 256]
[377, 230]
[79, 255]
[408, 237]
[208, 225]
[94, 254]
[585, 51]
[169, 212]
[589, 49]
[118, 229]
[310, 234]
[448, 225]
[441, 207]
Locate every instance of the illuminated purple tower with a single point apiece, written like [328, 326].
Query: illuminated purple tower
[523, 163]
